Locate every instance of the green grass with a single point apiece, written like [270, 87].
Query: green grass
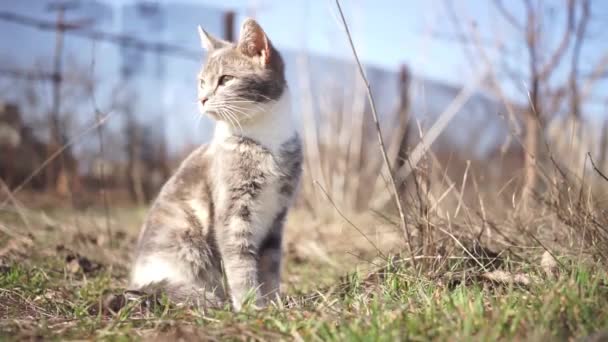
[44, 293]
[42, 298]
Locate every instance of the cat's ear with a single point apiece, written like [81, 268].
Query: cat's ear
[253, 41]
[208, 42]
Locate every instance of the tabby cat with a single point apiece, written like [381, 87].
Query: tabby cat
[214, 233]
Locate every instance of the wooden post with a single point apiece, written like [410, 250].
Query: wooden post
[229, 26]
[58, 174]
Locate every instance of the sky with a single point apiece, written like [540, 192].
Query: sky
[386, 33]
[391, 33]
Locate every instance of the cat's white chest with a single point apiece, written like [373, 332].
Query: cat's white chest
[249, 184]
[248, 164]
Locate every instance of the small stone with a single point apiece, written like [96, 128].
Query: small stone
[549, 265]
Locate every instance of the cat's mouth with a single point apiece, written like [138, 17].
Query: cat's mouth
[208, 110]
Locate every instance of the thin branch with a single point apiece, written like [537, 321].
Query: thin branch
[599, 172]
[370, 97]
[543, 246]
[440, 125]
[559, 52]
[574, 68]
[507, 15]
[349, 221]
[58, 152]
[483, 267]
[16, 204]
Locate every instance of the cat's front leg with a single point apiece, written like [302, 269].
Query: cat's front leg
[240, 261]
[269, 263]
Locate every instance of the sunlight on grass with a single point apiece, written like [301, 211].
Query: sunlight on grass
[390, 305]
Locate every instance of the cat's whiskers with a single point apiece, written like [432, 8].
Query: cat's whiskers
[239, 105]
[239, 102]
[238, 110]
[264, 97]
[217, 108]
[238, 123]
[225, 116]
[232, 115]
[260, 95]
[229, 114]
[229, 117]
[242, 99]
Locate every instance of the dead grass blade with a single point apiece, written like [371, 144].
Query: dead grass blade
[370, 97]
[433, 133]
[599, 172]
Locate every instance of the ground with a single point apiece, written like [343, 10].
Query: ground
[64, 271]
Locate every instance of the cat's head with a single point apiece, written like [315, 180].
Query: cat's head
[239, 82]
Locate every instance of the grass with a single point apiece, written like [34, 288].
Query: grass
[63, 278]
[43, 298]
[58, 285]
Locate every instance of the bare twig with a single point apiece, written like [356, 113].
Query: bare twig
[349, 221]
[555, 59]
[433, 133]
[543, 246]
[599, 172]
[16, 204]
[464, 183]
[58, 152]
[370, 97]
[580, 33]
[507, 15]
[483, 267]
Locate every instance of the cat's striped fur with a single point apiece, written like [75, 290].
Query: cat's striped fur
[220, 216]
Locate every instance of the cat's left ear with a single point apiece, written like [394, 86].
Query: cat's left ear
[253, 41]
[208, 42]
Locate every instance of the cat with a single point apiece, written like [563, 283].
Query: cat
[214, 233]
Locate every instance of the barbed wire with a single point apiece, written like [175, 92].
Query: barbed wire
[76, 29]
[31, 75]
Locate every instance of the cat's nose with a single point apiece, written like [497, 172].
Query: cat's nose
[204, 99]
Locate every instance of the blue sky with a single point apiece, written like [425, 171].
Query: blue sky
[389, 33]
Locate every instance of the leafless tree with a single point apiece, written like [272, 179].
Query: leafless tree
[546, 56]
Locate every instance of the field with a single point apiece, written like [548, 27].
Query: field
[470, 205]
[63, 275]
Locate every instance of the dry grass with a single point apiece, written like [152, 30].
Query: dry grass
[481, 263]
[345, 277]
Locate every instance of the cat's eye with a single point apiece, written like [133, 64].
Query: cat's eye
[201, 83]
[224, 79]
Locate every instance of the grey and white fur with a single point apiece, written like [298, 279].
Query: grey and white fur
[219, 219]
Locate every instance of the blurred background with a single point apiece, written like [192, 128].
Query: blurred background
[487, 102]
